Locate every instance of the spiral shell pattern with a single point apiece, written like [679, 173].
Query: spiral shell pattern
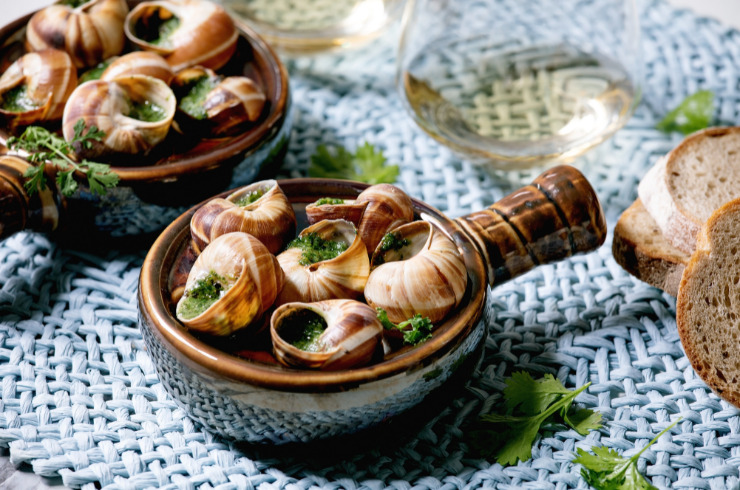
[351, 338]
[89, 33]
[255, 280]
[427, 276]
[349, 210]
[270, 218]
[139, 63]
[387, 208]
[342, 277]
[49, 78]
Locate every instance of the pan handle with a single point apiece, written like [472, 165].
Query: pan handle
[555, 217]
[21, 211]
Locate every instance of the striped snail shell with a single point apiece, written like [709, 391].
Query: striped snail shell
[89, 33]
[347, 209]
[185, 32]
[35, 87]
[230, 286]
[260, 209]
[421, 272]
[341, 334]
[341, 277]
[387, 208]
[119, 108]
[139, 63]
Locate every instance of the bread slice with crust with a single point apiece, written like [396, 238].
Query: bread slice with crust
[708, 303]
[641, 249]
[699, 175]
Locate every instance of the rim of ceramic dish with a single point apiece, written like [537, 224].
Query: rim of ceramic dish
[153, 286]
[196, 163]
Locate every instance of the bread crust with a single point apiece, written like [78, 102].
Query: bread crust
[641, 249]
[708, 306]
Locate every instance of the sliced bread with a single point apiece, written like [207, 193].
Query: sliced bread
[683, 188]
[708, 303]
[641, 249]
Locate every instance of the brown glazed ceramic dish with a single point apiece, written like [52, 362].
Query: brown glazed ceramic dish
[243, 394]
[179, 172]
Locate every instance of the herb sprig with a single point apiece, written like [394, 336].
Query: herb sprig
[530, 404]
[607, 470]
[415, 330]
[44, 147]
[695, 112]
[367, 164]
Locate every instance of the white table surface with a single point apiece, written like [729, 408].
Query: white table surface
[727, 11]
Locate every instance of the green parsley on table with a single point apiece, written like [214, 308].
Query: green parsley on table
[415, 330]
[530, 404]
[694, 113]
[366, 165]
[607, 470]
[45, 147]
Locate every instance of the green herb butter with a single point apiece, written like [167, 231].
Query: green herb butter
[317, 249]
[251, 197]
[94, 73]
[302, 330]
[202, 295]
[192, 102]
[329, 200]
[16, 100]
[146, 111]
[391, 241]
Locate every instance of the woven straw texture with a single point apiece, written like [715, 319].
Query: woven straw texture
[80, 397]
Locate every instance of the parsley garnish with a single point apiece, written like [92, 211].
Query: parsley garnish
[366, 165]
[415, 330]
[45, 147]
[693, 114]
[530, 404]
[607, 470]
[317, 249]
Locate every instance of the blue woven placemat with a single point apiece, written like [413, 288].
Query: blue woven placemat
[80, 398]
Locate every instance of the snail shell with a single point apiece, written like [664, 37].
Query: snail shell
[204, 35]
[427, 275]
[270, 218]
[351, 337]
[110, 105]
[342, 277]
[349, 210]
[387, 208]
[227, 107]
[89, 33]
[139, 63]
[252, 280]
[48, 78]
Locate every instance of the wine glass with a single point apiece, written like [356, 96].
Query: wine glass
[520, 84]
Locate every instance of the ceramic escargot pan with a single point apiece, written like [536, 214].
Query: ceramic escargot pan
[247, 385]
[175, 158]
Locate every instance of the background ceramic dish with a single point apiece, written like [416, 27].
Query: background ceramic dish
[242, 394]
[178, 173]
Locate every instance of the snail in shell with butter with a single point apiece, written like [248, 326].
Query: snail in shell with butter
[260, 209]
[35, 87]
[328, 260]
[90, 31]
[328, 335]
[135, 113]
[231, 284]
[184, 32]
[416, 269]
[216, 105]
[138, 63]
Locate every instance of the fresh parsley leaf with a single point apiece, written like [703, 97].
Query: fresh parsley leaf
[366, 165]
[694, 113]
[605, 469]
[415, 330]
[530, 404]
[44, 147]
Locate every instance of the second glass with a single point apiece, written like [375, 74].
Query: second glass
[518, 84]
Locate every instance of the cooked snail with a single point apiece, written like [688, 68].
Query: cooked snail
[89, 31]
[416, 269]
[260, 209]
[328, 260]
[216, 105]
[230, 286]
[387, 207]
[185, 32]
[331, 334]
[332, 208]
[35, 87]
[139, 63]
[135, 113]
